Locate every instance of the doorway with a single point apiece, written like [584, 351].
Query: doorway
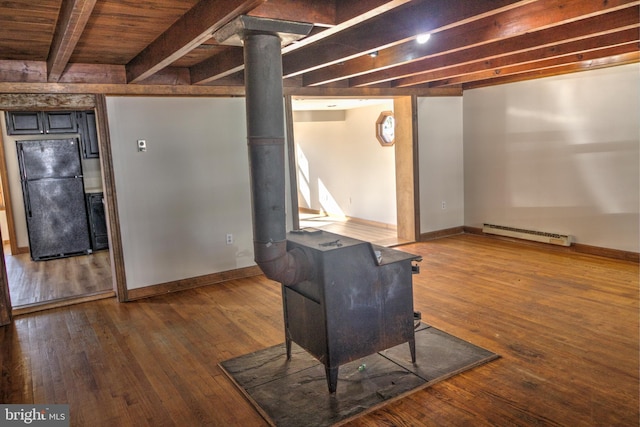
[37, 285]
[347, 180]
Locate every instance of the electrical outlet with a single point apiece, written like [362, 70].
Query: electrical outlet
[142, 145]
[229, 239]
[444, 205]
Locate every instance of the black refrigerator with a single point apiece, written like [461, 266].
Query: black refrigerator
[54, 198]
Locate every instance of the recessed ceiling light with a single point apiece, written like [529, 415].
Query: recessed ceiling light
[423, 38]
[373, 54]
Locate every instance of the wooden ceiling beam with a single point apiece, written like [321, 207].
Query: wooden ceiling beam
[74, 15]
[407, 58]
[346, 15]
[94, 73]
[518, 68]
[23, 71]
[536, 58]
[369, 92]
[169, 76]
[35, 72]
[586, 65]
[188, 32]
[363, 10]
[207, 90]
[218, 66]
[312, 11]
[390, 29]
[235, 79]
[588, 27]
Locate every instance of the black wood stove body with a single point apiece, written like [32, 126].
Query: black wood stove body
[359, 302]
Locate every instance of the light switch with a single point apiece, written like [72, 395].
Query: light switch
[142, 145]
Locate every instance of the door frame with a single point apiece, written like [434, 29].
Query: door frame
[5, 298]
[407, 180]
[38, 102]
[6, 194]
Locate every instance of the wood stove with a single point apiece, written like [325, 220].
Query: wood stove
[343, 298]
[358, 302]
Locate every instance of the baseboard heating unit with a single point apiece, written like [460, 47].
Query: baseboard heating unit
[536, 236]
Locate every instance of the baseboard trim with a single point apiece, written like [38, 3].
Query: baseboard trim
[575, 247]
[432, 235]
[309, 211]
[373, 223]
[607, 252]
[193, 282]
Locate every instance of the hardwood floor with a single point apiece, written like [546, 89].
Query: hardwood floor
[32, 283]
[565, 324]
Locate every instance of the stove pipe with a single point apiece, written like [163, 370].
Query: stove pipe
[266, 135]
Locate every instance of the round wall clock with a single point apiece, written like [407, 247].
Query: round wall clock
[386, 128]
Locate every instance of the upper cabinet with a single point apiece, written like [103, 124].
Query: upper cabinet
[53, 122]
[60, 122]
[88, 133]
[24, 122]
[41, 122]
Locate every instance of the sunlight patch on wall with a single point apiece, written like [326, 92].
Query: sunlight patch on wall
[328, 202]
[303, 176]
[541, 116]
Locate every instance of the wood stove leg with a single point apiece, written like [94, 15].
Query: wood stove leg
[287, 342]
[332, 378]
[287, 338]
[412, 348]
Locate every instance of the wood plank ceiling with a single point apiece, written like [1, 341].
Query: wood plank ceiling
[353, 44]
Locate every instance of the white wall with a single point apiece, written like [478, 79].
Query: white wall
[178, 200]
[558, 154]
[346, 169]
[441, 163]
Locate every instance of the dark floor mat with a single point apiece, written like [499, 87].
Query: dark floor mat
[295, 393]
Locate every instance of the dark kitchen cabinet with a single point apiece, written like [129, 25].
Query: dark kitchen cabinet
[41, 122]
[24, 123]
[97, 222]
[53, 122]
[60, 122]
[88, 134]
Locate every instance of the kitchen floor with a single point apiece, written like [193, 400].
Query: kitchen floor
[34, 283]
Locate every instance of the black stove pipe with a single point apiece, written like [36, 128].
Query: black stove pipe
[265, 136]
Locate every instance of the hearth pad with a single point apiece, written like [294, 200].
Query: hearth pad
[294, 392]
